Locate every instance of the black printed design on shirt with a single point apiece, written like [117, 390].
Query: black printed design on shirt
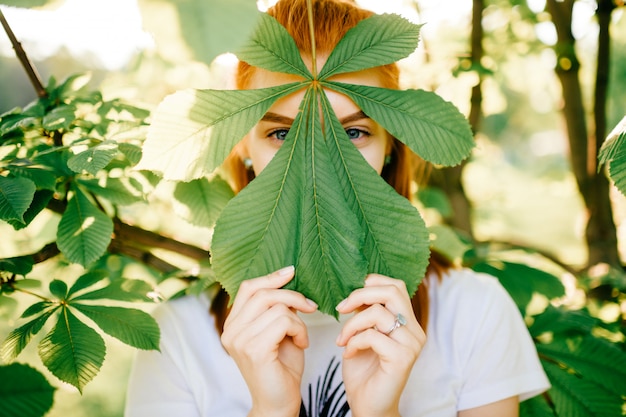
[329, 400]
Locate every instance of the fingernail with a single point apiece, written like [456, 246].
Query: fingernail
[288, 270]
[311, 303]
[341, 304]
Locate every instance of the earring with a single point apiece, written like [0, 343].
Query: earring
[247, 162]
[387, 159]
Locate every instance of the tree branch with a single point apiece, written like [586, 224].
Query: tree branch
[141, 255]
[129, 233]
[126, 232]
[23, 58]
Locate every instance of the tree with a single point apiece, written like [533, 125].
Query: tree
[585, 145]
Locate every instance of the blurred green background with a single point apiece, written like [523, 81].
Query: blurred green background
[518, 180]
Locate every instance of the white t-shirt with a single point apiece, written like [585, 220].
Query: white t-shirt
[478, 351]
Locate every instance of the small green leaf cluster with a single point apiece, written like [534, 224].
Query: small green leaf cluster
[71, 152]
[72, 350]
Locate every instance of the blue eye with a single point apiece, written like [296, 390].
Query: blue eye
[354, 133]
[279, 134]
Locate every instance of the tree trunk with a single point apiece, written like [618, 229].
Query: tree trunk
[450, 179]
[601, 232]
[601, 236]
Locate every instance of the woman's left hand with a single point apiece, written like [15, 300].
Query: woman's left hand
[377, 364]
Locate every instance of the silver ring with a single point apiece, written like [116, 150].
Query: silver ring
[400, 321]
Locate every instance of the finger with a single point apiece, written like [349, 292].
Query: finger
[392, 296]
[276, 279]
[265, 299]
[378, 280]
[280, 322]
[388, 350]
[382, 320]
[258, 294]
[376, 316]
[269, 329]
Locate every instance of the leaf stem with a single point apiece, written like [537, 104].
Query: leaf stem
[309, 4]
[23, 58]
[22, 290]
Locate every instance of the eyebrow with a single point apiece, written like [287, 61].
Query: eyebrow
[277, 118]
[354, 117]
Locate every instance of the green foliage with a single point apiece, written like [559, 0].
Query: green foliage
[587, 372]
[613, 152]
[71, 153]
[212, 27]
[25, 3]
[27, 395]
[318, 205]
[73, 351]
[199, 201]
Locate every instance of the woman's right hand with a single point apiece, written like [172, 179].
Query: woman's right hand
[266, 338]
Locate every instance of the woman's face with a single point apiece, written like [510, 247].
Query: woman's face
[264, 140]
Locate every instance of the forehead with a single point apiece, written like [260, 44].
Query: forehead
[262, 78]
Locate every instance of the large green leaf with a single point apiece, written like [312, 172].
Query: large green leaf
[447, 243]
[194, 130]
[26, 3]
[574, 396]
[258, 230]
[318, 204]
[272, 48]
[330, 263]
[42, 176]
[535, 407]
[40, 202]
[561, 321]
[72, 351]
[324, 209]
[16, 194]
[378, 40]
[87, 280]
[20, 265]
[131, 152]
[8, 306]
[58, 288]
[24, 392]
[59, 118]
[131, 326]
[201, 201]
[120, 191]
[432, 127]
[617, 169]
[396, 239]
[521, 281]
[613, 152]
[120, 289]
[17, 340]
[614, 143]
[94, 158]
[594, 360]
[84, 231]
[213, 27]
[37, 308]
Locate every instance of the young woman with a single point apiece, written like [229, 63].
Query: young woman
[458, 348]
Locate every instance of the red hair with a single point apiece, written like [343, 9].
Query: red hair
[332, 19]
